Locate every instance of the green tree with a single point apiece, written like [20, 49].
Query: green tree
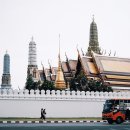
[72, 84]
[47, 85]
[29, 82]
[82, 83]
[36, 85]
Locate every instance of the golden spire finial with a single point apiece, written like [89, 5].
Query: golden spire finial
[60, 81]
[59, 47]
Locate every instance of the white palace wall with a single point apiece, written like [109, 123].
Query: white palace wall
[66, 104]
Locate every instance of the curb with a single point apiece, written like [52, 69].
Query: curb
[39, 122]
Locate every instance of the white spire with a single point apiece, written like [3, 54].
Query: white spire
[32, 59]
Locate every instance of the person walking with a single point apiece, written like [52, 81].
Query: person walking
[43, 113]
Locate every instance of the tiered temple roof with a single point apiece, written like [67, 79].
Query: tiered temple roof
[69, 69]
[113, 70]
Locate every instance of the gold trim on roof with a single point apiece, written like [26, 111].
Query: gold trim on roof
[118, 82]
[117, 77]
[115, 66]
[88, 66]
[92, 68]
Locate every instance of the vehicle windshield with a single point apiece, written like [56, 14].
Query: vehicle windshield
[108, 105]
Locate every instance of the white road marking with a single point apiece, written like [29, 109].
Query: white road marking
[21, 122]
[4, 121]
[12, 121]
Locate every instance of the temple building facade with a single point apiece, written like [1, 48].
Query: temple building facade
[6, 77]
[111, 71]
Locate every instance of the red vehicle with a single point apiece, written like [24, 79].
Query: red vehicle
[116, 110]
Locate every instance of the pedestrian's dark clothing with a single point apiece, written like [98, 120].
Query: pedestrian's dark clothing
[43, 113]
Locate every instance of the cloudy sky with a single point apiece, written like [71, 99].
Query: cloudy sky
[45, 19]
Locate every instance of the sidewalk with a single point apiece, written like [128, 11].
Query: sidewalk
[49, 120]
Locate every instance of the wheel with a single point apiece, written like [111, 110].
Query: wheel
[110, 121]
[119, 120]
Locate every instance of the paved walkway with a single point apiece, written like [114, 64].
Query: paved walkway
[81, 121]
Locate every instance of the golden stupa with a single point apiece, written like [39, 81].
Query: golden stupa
[60, 81]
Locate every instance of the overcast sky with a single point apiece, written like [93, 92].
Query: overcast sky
[45, 19]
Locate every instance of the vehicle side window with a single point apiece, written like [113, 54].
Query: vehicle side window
[116, 102]
[125, 101]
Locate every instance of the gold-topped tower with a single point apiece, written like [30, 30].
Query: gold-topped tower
[60, 81]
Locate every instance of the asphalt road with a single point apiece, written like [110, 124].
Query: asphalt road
[66, 126]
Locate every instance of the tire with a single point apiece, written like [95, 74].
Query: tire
[119, 120]
[110, 121]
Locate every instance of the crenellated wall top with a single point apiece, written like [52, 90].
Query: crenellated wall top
[57, 94]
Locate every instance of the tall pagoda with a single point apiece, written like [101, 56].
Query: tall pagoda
[32, 62]
[93, 39]
[6, 77]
